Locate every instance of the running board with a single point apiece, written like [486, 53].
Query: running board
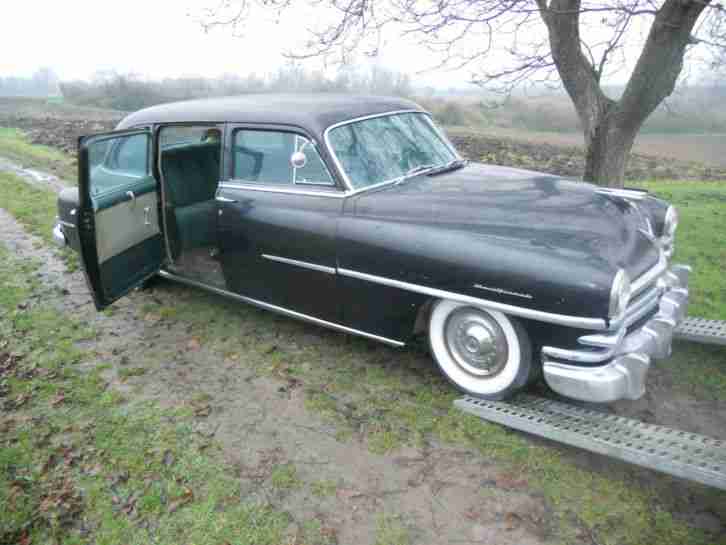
[700, 330]
[687, 455]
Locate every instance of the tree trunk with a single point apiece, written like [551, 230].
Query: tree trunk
[610, 127]
[607, 153]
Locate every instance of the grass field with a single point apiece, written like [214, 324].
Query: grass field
[15, 146]
[81, 463]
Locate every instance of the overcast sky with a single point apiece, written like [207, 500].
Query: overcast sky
[162, 38]
[156, 38]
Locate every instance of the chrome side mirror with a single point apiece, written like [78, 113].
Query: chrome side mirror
[298, 159]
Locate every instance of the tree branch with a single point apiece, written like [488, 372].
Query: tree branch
[579, 78]
[661, 61]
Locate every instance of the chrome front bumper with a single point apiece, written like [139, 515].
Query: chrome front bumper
[626, 355]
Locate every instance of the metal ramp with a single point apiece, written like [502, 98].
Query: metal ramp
[701, 330]
[687, 455]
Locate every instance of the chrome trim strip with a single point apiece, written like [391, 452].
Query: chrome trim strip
[642, 306]
[303, 264]
[625, 193]
[637, 285]
[339, 167]
[580, 356]
[241, 184]
[319, 184]
[279, 310]
[559, 319]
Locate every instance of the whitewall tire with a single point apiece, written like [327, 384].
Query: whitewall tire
[482, 352]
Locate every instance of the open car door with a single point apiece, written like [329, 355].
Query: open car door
[120, 237]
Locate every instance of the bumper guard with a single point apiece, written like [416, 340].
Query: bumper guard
[630, 354]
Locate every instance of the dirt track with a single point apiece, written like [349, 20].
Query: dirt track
[263, 423]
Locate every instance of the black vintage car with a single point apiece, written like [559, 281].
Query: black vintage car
[357, 213]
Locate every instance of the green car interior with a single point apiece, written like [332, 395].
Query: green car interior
[191, 175]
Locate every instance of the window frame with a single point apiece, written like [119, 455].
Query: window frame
[111, 156]
[336, 188]
[111, 162]
[351, 189]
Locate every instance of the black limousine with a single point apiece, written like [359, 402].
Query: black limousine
[358, 214]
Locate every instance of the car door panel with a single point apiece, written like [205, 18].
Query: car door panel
[120, 238]
[127, 222]
[280, 248]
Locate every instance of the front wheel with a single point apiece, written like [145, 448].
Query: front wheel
[482, 352]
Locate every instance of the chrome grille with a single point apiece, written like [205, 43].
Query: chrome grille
[646, 291]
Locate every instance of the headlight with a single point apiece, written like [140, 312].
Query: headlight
[619, 294]
[671, 223]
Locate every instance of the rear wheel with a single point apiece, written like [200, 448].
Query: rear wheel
[483, 352]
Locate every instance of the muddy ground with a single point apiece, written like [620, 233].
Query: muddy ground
[61, 129]
[263, 423]
[442, 494]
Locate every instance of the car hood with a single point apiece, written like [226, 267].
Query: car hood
[519, 207]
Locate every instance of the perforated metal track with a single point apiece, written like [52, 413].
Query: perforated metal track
[686, 455]
[701, 330]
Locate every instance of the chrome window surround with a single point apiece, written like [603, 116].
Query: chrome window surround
[295, 181]
[237, 183]
[339, 167]
[302, 264]
[279, 310]
[294, 170]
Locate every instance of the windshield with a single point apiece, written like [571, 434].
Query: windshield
[386, 148]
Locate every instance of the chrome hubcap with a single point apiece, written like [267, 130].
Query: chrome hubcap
[476, 342]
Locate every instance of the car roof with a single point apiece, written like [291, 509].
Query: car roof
[314, 112]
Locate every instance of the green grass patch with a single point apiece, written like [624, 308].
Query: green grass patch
[700, 240]
[391, 531]
[128, 372]
[323, 489]
[14, 145]
[284, 477]
[36, 209]
[77, 465]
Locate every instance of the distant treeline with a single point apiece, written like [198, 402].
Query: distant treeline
[693, 109]
[42, 83]
[699, 109]
[129, 92]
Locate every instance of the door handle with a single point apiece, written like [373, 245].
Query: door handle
[225, 199]
[147, 210]
[132, 197]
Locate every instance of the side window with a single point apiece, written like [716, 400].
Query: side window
[115, 163]
[131, 155]
[265, 157]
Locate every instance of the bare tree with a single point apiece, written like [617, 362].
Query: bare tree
[575, 42]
